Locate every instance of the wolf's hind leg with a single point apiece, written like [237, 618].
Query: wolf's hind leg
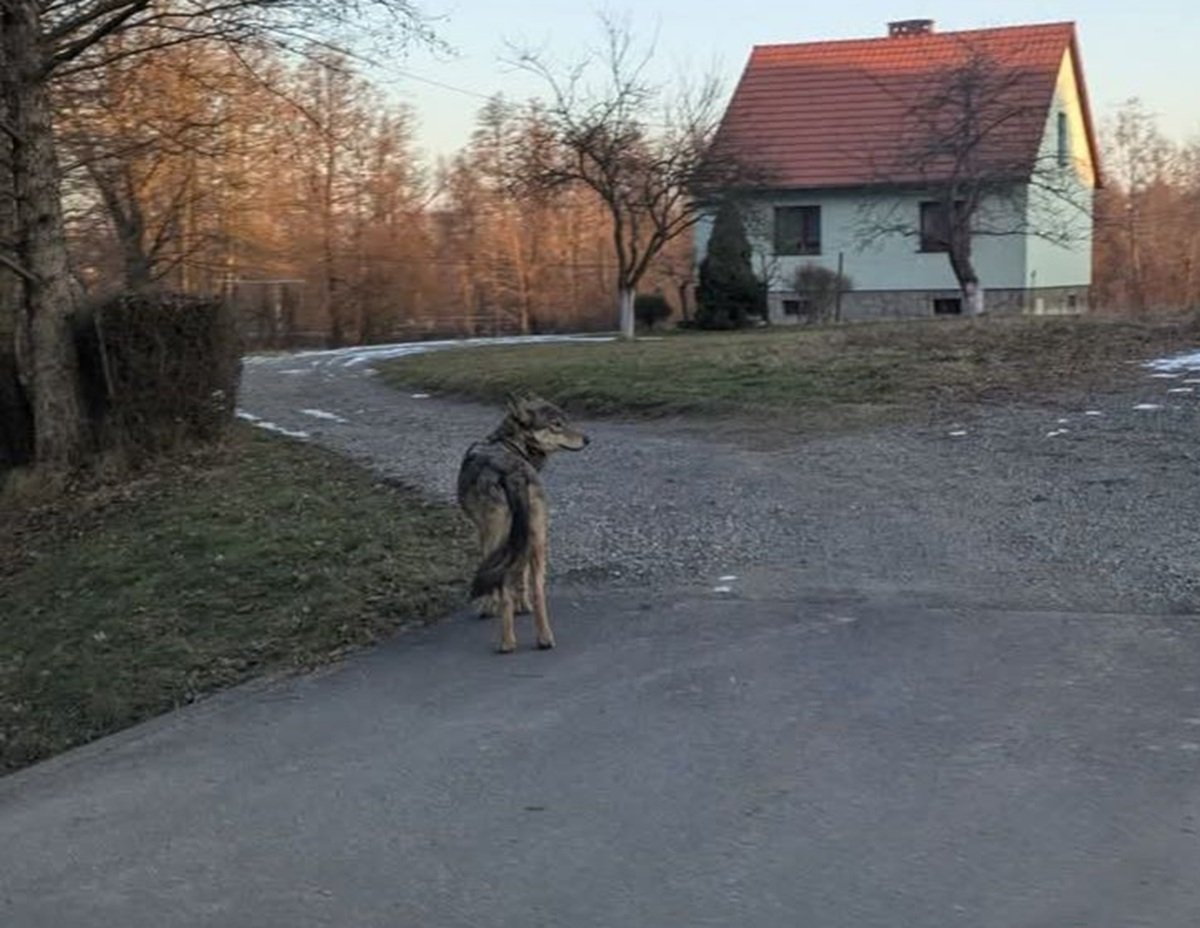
[508, 634]
[524, 598]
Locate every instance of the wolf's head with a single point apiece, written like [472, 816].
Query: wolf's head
[543, 427]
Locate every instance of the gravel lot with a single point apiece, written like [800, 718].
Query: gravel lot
[992, 510]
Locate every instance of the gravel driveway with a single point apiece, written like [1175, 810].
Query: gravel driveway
[1089, 505]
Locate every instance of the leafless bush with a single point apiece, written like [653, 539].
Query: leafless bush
[820, 287]
[159, 370]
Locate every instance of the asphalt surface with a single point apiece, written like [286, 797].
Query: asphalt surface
[728, 759]
[761, 736]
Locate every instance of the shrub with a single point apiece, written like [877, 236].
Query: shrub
[650, 309]
[820, 287]
[729, 294]
[158, 370]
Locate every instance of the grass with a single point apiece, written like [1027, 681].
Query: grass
[812, 378]
[123, 601]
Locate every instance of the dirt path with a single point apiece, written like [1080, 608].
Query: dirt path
[1087, 507]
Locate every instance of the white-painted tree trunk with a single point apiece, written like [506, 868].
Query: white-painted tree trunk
[973, 298]
[625, 300]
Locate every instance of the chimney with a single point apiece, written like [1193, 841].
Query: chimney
[906, 27]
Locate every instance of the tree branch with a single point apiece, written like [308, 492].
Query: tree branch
[17, 268]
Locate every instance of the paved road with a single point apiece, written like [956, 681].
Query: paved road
[788, 752]
[740, 759]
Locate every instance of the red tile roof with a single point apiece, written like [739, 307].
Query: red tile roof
[831, 114]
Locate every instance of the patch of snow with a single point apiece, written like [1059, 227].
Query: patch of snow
[322, 414]
[958, 433]
[272, 427]
[1057, 432]
[1147, 407]
[1064, 421]
[1093, 412]
[269, 426]
[722, 589]
[419, 396]
[1180, 362]
[1181, 390]
[1164, 376]
[358, 355]
[728, 578]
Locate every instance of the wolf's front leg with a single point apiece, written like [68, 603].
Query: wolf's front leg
[537, 574]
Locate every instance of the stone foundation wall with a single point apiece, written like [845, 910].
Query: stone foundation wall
[861, 305]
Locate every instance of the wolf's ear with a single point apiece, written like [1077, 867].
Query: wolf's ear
[517, 405]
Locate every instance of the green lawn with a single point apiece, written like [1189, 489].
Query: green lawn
[121, 602]
[822, 377]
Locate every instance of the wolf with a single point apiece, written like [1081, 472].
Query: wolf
[500, 490]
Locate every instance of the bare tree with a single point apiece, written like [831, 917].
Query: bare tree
[1148, 220]
[648, 158]
[133, 134]
[44, 41]
[974, 148]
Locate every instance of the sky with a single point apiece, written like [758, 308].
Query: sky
[1148, 49]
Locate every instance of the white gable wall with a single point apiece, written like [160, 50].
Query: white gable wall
[1048, 264]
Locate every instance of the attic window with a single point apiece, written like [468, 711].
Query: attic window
[797, 230]
[1063, 140]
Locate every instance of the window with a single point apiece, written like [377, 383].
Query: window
[1063, 140]
[947, 307]
[935, 230]
[797, 230]
[802, 308]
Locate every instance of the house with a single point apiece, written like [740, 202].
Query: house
[943, 172]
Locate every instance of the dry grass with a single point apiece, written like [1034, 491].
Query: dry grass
[820, 378]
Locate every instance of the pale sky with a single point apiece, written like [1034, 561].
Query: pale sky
[1144, 48]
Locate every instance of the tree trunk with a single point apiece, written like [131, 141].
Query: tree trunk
[125, 212]
[49, 297]
[968, 280]
[684, 287]
[10, 283]
[973, 298]
[625, 297]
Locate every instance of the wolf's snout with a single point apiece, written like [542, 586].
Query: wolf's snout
[586, 441]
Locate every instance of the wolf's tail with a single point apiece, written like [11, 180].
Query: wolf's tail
[491, 573]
